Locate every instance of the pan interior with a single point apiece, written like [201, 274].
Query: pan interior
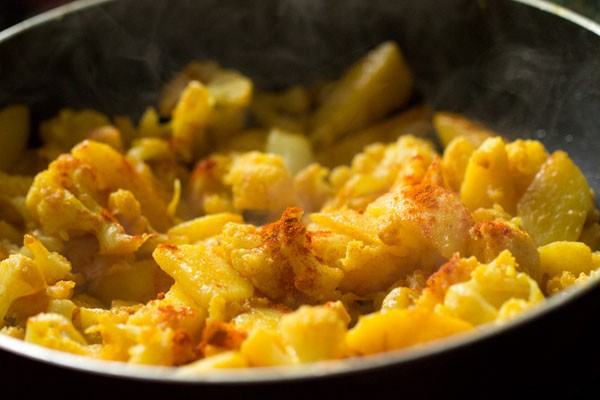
[520, 78]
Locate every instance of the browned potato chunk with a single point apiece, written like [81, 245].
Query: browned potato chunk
[204, 276]
[490, 238]
[377, 84]
[555, 206]
[449, 126]
[397, 329]
[487, 178]
[561, 256]
[423, 216]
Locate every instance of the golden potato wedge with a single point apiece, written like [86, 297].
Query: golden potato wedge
[449, 125]
[487, 179]
[556, 204]
[377, 84]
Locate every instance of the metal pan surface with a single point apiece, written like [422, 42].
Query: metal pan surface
[528, 68]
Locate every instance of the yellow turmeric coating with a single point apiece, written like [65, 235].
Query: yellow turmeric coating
[231, 227]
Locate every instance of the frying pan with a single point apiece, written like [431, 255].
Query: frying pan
[526, 68]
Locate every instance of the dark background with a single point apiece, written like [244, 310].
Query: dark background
[14, 11]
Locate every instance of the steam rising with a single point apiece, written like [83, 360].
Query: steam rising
[516, 68]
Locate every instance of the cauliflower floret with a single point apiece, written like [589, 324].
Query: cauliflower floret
[206, 192]
[316, 333]
[492, 288]
[422, 218]
[261, 182]
[490, 238]
[568, 279]
[71, 197]
[379, 168]
[312, 187]
[21, 275]
[57, 332]
[68, 128]
[166, 332]
[162, 332]
[277, 258]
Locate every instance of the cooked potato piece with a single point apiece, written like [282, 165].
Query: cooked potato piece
[423, 217]
[265, 348]
[237, 227]
[377, 84]
[138, 281]
[449, 126]
[415, 121]
[288, 110]
[455, 161]
[190, 117]
[487, 179]
[203, 275]
[228, 359]
[230, 93]
[397, 329]
[201, 228]
[295, 149]
[226, 86]
[400, 298]
[563, 256]
[316, 333]
[555, 205]
[525, 158]
[150, 126]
